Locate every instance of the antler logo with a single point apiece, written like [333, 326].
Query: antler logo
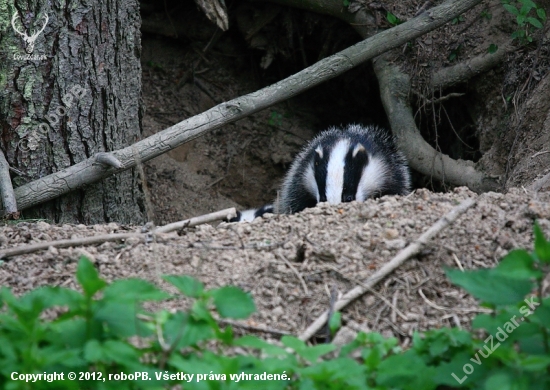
[29, 41]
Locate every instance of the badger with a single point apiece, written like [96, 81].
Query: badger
[340, 165]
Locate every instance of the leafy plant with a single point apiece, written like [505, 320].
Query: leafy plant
[454, 53]
[275, 119]
[392, 19]
[527, 14]
[486, 14]
[458, 19]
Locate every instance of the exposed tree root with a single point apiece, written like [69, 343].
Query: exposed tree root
[394, 91]
[464, 71]
[410, 251]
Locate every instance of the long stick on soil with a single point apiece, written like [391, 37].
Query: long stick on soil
[410, 251]
[84, 241]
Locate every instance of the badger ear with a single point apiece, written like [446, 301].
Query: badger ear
[359, 148]
[319, 151]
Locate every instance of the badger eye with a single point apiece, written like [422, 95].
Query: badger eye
[348, 198]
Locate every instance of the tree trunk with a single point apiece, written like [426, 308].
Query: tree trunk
[72, 95]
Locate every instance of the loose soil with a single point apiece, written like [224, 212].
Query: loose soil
[293, 264]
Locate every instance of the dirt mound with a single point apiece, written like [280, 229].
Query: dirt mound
[293, 264]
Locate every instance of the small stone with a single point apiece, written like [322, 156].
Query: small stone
[395, 244]
[391, 233]
[41, 225]
[277, 312]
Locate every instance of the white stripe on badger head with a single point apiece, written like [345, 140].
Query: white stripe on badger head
[309, 181]
[335, 171]
[372, 179]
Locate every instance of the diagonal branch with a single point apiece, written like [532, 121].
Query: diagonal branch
[86, 172]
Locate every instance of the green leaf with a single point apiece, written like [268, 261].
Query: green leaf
[524, 10]
[121, 352]
[500, 380]
[93, 352]
[532, 344]
[491, 287]
[371, 358]
[311, 354]
[68, 333]
[255, 342]
[88, 277]
[232, 302]
[335, 322]
[492, 48]
[528, 3]
[520, 19]
[346, 3]
[293, 342]
[130, 290]
[391, 18]
[535, 22]
[405, 371]
[541, 13]
[518, 264]
[510, 8]
[535, 363]
[200, 312]
[542, 247]
[184, 331]
[189, 286]
[119, 318]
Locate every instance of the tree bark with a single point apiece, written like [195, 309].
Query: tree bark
[76, 94]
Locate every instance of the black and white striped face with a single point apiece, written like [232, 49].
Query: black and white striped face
[344, 171]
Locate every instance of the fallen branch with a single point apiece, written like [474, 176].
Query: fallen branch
[88, 171]
[85, 241]
[410, 251]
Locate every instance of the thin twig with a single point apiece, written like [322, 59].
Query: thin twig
[539, 153]
[410, 251]
[263, 329]
[277, 244]
[304, 285]
[454, 309]
[458, 262]
[371, 290]
[85, 241]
